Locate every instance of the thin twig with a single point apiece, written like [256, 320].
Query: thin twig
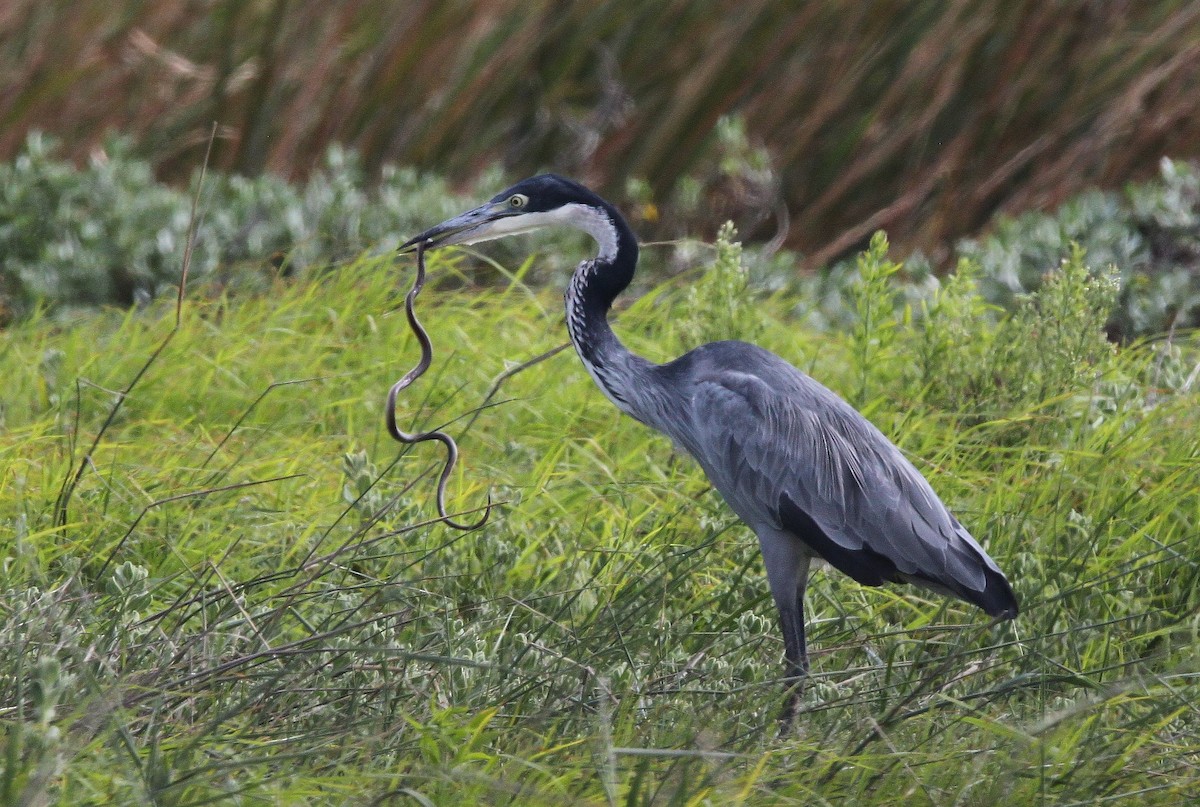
[71, 482]
[193, 225]
[408, 378]
[499, 380]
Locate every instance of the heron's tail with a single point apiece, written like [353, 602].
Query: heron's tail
[996, 599]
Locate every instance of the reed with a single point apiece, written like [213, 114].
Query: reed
[921, 118]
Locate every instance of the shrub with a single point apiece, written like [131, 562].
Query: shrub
[110, 234]
[1150, 233]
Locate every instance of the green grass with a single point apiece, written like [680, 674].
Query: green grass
[250, 599]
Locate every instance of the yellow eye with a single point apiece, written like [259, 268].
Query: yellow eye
[518, 200]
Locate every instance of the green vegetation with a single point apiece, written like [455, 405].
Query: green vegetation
[244, 598]
[110, 234]
[223, 583]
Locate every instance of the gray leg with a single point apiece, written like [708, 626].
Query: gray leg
[787, 565]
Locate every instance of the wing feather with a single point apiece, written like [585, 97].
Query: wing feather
[785, 451]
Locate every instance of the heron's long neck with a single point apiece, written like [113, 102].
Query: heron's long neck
[619, 373]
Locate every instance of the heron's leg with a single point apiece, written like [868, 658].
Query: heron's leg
[787, 565]
[797, 666]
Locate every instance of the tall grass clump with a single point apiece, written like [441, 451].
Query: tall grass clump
[250, 598]
[1052, 344]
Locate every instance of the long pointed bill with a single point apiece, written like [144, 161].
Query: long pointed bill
[468, 228]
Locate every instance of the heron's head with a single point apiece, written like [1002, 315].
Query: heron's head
[540, 201]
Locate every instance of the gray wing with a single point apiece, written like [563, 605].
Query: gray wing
[785, 451]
